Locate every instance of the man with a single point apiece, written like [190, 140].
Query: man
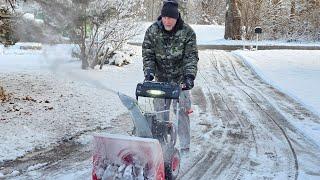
[170, 54]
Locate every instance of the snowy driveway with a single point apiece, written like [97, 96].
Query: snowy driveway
[243, 128]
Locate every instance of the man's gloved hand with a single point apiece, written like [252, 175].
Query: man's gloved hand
[188, 82]
[149, 76]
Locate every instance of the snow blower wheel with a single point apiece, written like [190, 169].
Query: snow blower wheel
[172, 168]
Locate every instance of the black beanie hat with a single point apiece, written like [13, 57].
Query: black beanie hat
[170, 9]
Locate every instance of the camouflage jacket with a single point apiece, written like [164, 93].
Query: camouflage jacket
[170, 55]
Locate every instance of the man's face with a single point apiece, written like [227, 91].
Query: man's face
[168, 23]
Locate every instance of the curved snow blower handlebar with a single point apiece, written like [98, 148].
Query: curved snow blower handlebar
[161, 90]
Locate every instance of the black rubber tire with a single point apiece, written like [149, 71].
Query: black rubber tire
[172, 174]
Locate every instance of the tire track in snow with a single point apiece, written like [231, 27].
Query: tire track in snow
[237, 122]
[296, 166]
[296, 140]
[225, 77]
[213, 164]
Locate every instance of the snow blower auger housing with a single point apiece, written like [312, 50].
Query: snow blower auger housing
[151, 152]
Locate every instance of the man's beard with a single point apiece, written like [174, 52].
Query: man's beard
[168, 28]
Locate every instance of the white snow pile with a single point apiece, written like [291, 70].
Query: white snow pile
[123, 57]
[28, 17]
[115, 171]
[125, 157]
[12, 174]
[120, 58]
[21, 49]
[294, 72]
[36, 166]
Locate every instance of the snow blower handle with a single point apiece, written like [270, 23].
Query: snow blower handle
[183, 87]
[188, 82]
[162, 90]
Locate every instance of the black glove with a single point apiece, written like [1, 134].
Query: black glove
[188, 82]
[149, 76]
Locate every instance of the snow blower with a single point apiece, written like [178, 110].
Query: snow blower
[151, 153]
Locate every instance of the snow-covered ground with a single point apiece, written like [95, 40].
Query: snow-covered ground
[52, 81]
[295, 72]
[66, 100]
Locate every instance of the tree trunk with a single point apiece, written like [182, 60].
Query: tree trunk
[3, 96]
[84, 60]
[84, 57]
[233, 21]
[1, 92]
[153, 8]
[183, 9]
[292, 18]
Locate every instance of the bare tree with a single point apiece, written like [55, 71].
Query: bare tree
[3, 95]
[212, 11]
[183, 8]
[98, 27]
[153, 9]
[290, 20]
[250, 16]
[110, 32]
[307, 23]
[233, 21]
[8, 22]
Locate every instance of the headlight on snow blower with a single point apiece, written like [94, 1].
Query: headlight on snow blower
[158, 90]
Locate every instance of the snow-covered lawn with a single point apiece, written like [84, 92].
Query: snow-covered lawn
[51, 95]
[295, 72]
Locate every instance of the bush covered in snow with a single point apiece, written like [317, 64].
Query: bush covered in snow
[120, 58]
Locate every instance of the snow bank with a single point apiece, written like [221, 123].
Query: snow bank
[28, 17]
[295, 73]
[120, 59]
